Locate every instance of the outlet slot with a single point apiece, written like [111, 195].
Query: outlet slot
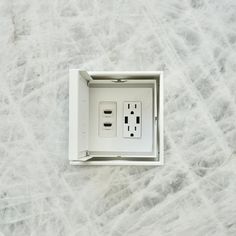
[126, 120]
[137, 120]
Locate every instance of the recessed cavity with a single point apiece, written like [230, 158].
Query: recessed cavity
[137, 120]
[131, 135]
[131, 112]
[126, 119]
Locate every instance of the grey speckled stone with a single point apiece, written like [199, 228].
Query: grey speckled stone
[194, 42]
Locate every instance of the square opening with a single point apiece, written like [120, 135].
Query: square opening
[116, 118]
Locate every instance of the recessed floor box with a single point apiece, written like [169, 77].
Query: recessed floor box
[116, 118]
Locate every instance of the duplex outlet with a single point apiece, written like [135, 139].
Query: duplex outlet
[132, 127]
[107, 119]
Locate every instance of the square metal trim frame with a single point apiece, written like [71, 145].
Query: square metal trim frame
[79, 153]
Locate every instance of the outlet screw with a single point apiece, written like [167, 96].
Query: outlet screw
[119, 81]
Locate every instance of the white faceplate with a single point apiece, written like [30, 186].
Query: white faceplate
[118, 143]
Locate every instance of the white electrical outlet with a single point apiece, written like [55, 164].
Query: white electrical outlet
[116, 117]
[132, 127]
[107, 119]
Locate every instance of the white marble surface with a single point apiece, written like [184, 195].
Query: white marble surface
[194, 42]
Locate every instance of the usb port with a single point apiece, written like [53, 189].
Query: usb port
[107, 124]
[108, 112]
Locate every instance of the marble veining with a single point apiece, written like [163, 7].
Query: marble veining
[194, 42]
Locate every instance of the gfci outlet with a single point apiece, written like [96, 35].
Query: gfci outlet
[116, 118]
